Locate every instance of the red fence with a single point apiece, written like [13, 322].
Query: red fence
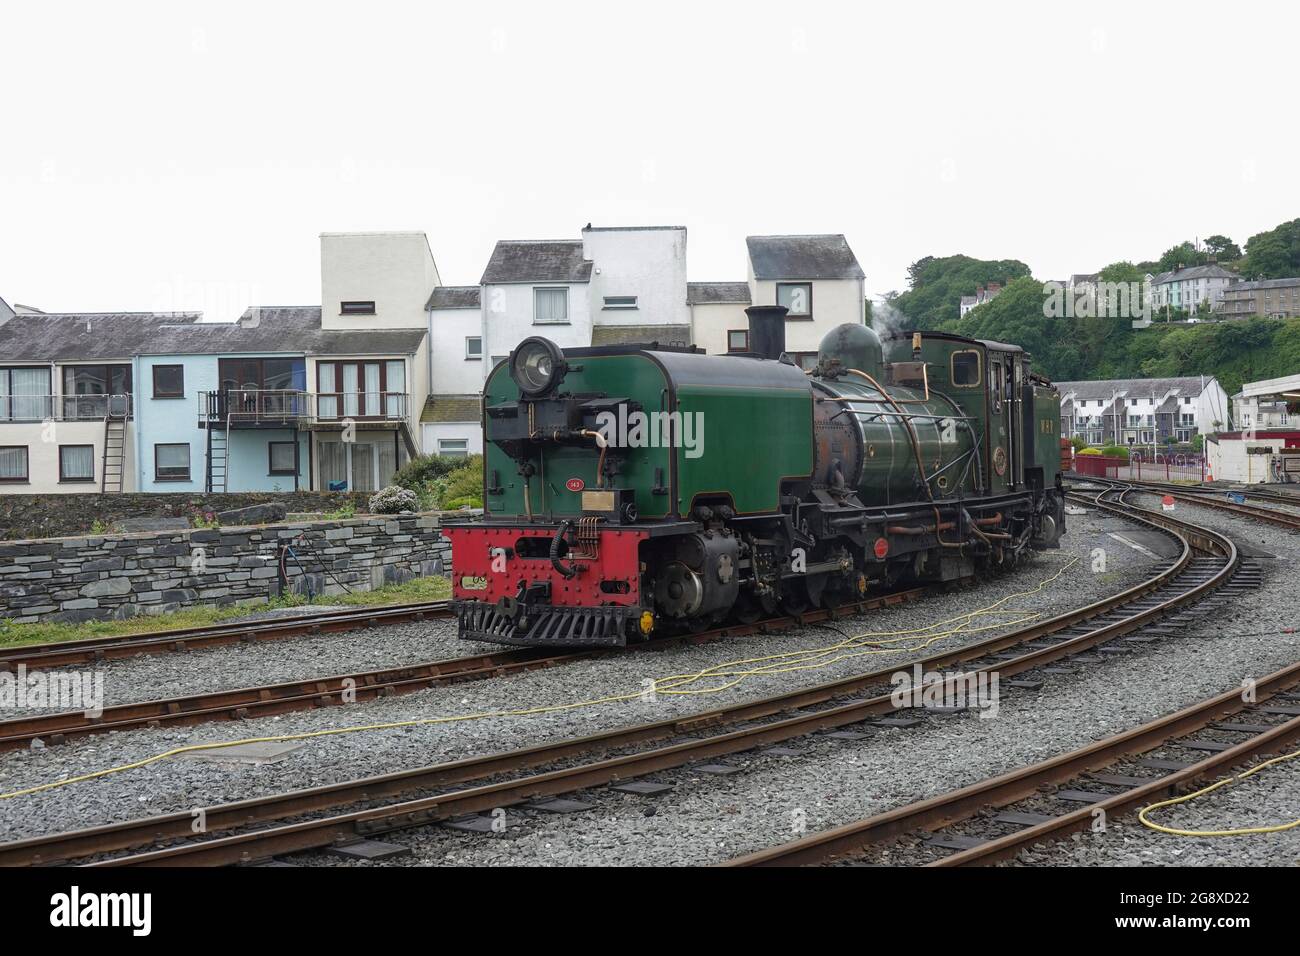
[1161, 468]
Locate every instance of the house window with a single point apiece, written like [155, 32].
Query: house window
[797, 297]
[966, 369]
[738, 340]
[550, 306]
[361, 389]
[25, 394]
[86, 391]
[620, 302]
[473, 348]
[169, 381]
[171, 462]
[453, 447]
[357, 308]
[281, 454]
[76, 463]
[13, 463]
[805, 360]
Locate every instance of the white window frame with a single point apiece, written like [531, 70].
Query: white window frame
[461, 452]
[469, 355]
[549, 289]
[616, 303]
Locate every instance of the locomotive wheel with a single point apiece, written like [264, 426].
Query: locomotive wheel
[748, 610]
[794, 599]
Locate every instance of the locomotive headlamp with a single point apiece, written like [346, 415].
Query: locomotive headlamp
[537, 366]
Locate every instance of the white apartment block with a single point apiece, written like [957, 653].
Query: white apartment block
[1190, 288]
[1142, 411]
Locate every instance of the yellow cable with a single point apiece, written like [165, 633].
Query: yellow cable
[805, 659]
[1241, 831]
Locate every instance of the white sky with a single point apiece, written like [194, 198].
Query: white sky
[168, 156]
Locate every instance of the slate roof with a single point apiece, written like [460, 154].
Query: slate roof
[1263, 284]
[454, 297]
[1134, 387]
[1211, 271]
[641, 335]
[452, 408]
[69, 337]
[74, 336]
[537, 260]
[712, 293]
[802, 257]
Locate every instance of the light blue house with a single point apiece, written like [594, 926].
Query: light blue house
[228, 406]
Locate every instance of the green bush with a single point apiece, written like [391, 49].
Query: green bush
[426, 468]
[1078, 443]
[1089, 451]
[1115, 451]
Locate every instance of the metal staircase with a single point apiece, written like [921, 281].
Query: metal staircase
[218, 457]
[113, 465]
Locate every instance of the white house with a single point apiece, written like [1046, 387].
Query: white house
[816, 277]
[452, 417]
[1142, 411]
[1190, 288]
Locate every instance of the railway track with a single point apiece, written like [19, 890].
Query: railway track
[1211, 498]
[997, 818]
[281, 698]
[320, 817]
[93, 650]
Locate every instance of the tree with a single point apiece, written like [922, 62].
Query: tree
[1274, 254]
[1222, 248]
[1184, 254]
[937, 285]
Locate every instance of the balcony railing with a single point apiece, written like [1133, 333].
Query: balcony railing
[254, 406]
[64, 408]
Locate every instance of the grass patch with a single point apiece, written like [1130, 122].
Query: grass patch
[410, 592]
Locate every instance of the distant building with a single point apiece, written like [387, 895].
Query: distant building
[1142, 411]
[1190, 288]
[1274, 298]
[816, 277]
[981, 296]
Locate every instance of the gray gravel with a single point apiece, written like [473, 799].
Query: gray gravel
[180, 784]
[707, 819]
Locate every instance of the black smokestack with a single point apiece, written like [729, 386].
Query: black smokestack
[767, 330]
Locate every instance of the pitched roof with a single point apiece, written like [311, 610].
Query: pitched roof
[454, 297]
[74, 336]
[452, 408]
[802, 257]
[540, 260]
[641, 335]
[711, 293]
[1189, 386]
[1263, 284]
[1211, 271]
[68, 337]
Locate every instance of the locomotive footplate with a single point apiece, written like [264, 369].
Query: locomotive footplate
[511, 622]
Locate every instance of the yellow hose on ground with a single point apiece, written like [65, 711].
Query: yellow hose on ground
[1240, 831]
[794, 661]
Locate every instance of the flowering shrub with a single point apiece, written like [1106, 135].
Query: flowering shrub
[393, 500]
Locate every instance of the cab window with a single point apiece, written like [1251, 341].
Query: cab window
[966, 369]
[995, 385]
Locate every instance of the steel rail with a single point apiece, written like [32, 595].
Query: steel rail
[337, 689]
[94, 649]
[851, 839]
[325, 831]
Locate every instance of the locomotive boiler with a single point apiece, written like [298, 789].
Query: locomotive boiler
[640, 489]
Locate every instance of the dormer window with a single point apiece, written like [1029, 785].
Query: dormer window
[357, 308]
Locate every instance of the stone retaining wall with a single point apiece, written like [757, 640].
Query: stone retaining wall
[119, 576]
[48, 516]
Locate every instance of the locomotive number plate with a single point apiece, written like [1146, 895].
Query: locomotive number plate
[575, 484]
[598, 501]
